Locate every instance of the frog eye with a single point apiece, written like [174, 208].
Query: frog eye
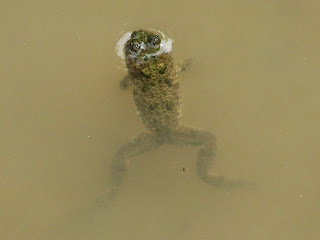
[153, 41]
[134, 35]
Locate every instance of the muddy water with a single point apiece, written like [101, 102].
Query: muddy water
[254, 83]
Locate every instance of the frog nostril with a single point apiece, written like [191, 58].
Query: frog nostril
[135, 47]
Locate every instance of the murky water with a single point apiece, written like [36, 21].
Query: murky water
[254, 84]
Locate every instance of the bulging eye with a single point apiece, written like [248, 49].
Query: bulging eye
[134, 35]
[153, 41]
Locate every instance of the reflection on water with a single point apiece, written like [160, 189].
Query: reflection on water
[253, 84]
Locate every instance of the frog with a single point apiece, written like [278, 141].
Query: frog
[153, 77]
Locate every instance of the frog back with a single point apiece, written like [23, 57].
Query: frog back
[156, 93]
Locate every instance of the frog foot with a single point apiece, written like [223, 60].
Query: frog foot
[223, 181]
[105, 198]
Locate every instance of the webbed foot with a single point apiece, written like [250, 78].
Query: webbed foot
[105, 199]
[217, 180]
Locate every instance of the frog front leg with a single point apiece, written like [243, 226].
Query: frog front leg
[186, 135]
[185, 66]
[142, 143]
[125, 82]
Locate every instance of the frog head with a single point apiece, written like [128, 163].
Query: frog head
[142, 45]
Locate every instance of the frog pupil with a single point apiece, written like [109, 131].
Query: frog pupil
[134, 35]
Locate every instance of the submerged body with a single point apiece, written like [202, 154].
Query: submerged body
[153, 76]
[156, 92]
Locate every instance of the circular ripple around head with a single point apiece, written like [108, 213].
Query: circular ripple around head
[165, 46]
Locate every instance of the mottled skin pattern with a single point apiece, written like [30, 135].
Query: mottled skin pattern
[156, 93]
[156, 90]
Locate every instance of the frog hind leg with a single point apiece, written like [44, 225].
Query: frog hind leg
[142, 143]
[186, 135]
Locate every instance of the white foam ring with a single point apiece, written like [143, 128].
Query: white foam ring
[120, 44]
[165, 45]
